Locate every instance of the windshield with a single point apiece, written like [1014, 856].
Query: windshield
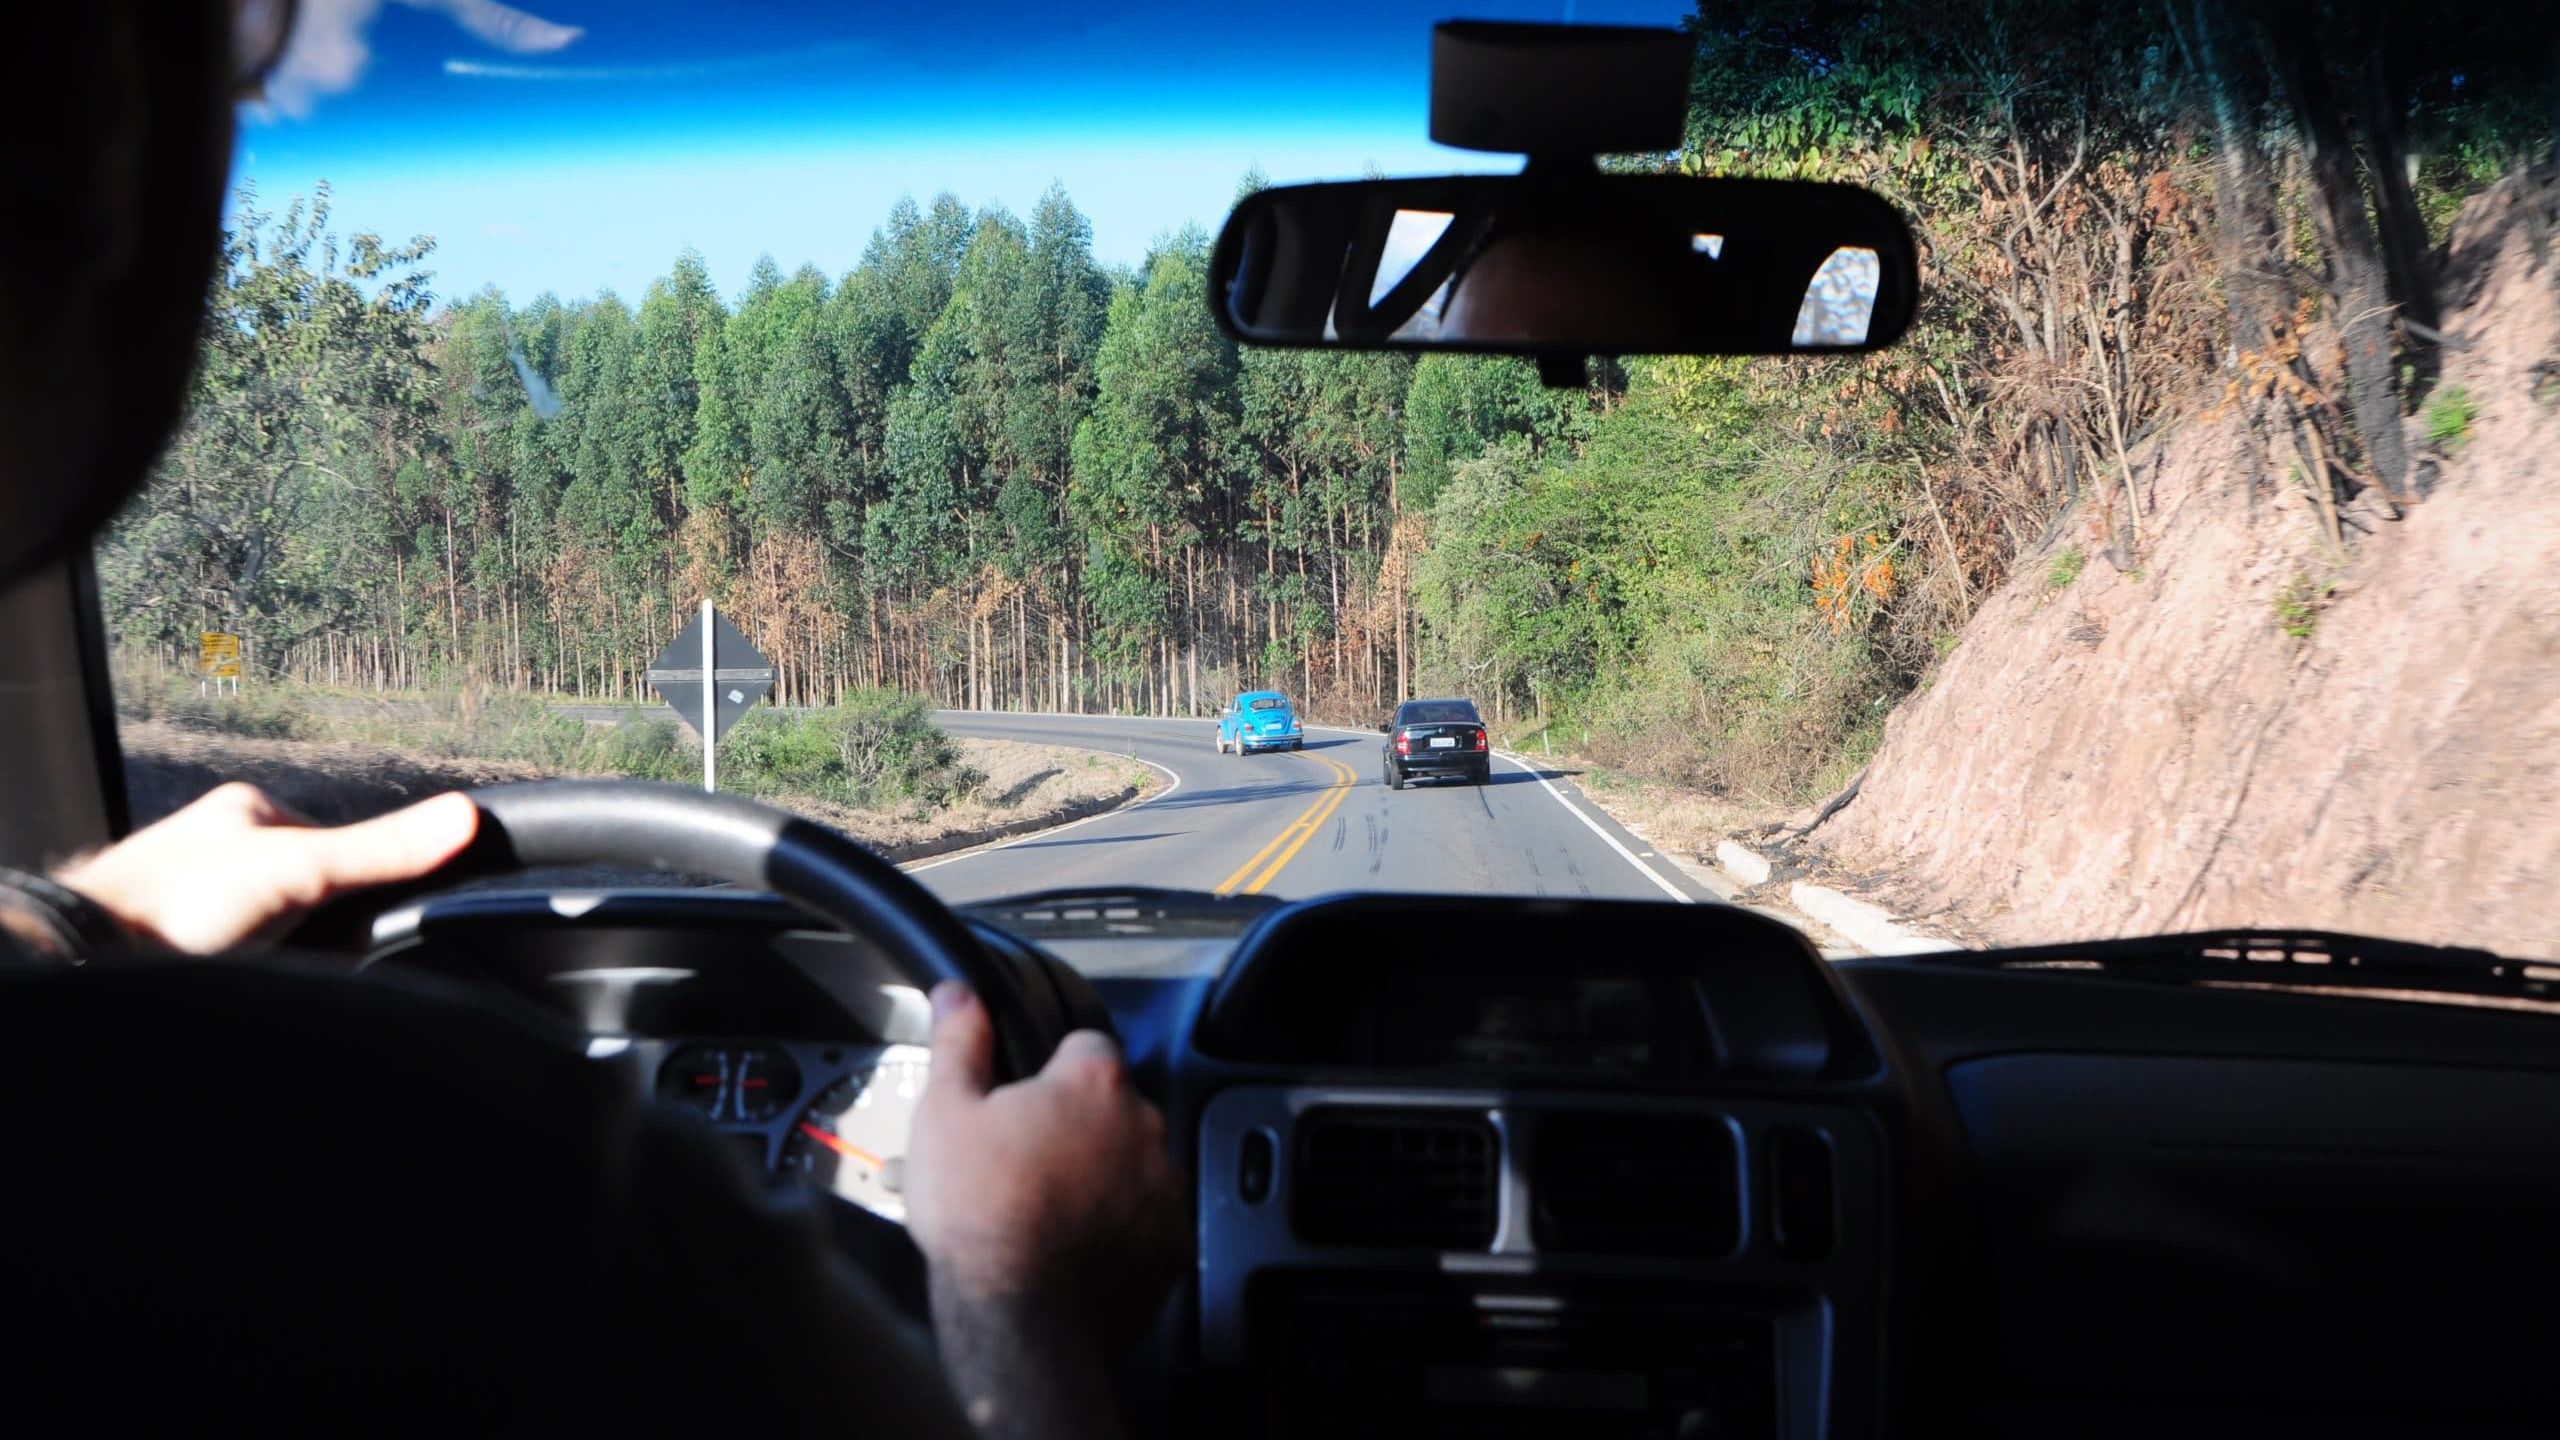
[2187, 566]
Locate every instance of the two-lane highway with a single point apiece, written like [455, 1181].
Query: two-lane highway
[1306, 823]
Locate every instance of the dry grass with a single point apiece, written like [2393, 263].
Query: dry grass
[1675, 820]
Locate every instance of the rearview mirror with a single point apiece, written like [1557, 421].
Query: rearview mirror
[1567, 265]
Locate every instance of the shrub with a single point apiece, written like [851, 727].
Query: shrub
[878, 746]
[650, 747]
[2448, 415]
[2299, 603]
[2066, 568]
[776, 749]
[890, 748]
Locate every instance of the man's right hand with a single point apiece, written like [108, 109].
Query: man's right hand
[1050, 1215]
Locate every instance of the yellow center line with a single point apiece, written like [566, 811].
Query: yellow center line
[1268, 846]
[1308, 821]
[1343, 781]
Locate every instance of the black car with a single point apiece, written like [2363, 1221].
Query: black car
[1436, 737]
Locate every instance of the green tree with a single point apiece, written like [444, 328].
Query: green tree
[1460, 404]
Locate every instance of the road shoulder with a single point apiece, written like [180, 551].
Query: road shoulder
[1699, 846]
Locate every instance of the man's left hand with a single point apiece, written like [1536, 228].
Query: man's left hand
[236, 868]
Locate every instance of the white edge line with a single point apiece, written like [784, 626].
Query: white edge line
[1139, 804]
[1674, 891]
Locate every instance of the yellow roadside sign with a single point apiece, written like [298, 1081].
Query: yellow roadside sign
[218, 654]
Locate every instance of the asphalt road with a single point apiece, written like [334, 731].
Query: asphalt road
[1306, 823]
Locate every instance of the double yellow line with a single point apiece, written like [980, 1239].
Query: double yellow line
[1294, 838]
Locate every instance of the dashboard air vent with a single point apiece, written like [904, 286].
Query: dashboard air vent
[1636, 1185]
[1423, 1178]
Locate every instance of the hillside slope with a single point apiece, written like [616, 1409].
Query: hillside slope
[2252, 728]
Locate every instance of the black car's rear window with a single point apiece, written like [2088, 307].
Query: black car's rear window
[1270, 702]
[1437, 712]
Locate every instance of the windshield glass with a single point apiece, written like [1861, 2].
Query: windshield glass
[2187, 566]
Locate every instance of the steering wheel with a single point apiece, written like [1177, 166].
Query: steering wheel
[652, 826]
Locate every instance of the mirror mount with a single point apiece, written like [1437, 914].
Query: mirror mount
[1559, 370]
[1562, 95]
[1559, 94]
[1559, 169]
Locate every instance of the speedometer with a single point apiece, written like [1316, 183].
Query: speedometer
[853, 1137]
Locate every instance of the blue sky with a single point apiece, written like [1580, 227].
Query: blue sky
[541, 161]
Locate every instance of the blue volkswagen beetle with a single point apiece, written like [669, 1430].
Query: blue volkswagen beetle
[1258, 720]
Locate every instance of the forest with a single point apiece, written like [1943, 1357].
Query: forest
[985, 469]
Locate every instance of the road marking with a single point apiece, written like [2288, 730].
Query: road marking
[1138, 804]
[1306, 824]
[1268, 846]
[1345, 779]
[1674, 891]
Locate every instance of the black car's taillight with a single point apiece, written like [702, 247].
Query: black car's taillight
[1404, 743]
[1479, 739]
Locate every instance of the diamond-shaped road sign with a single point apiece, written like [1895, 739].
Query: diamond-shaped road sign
[739, 676]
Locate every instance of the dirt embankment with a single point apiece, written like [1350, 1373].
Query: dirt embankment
[2254, 728]
[1027, 787]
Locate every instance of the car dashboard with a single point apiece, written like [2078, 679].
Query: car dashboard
[1579, 1168]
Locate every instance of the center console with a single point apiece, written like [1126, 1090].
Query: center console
[1662, 1218]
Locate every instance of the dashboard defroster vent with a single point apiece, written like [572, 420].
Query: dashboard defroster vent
[1426, 1178]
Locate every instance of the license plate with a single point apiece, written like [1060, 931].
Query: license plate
[1443, 742]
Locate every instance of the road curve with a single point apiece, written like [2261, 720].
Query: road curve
[1306, 823]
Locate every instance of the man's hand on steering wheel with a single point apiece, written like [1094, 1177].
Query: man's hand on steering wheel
[235, 868]
[1050, 1214]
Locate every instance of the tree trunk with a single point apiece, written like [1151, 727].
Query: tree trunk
[2243, 229]
[2403, 227]
[2358, 283]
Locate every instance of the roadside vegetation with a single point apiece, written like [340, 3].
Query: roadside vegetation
[981, 468]
[2067, 564]
[878, 750]
[2448, 416]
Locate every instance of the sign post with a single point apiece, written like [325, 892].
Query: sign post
[723, 678]
[710, 735]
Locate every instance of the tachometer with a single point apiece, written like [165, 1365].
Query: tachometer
[853, 1137]
[743, 1083]
[697, 1078]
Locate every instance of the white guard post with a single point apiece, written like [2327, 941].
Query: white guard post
[710, 708]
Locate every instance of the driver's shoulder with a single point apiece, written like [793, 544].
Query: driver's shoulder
[264, 1168]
